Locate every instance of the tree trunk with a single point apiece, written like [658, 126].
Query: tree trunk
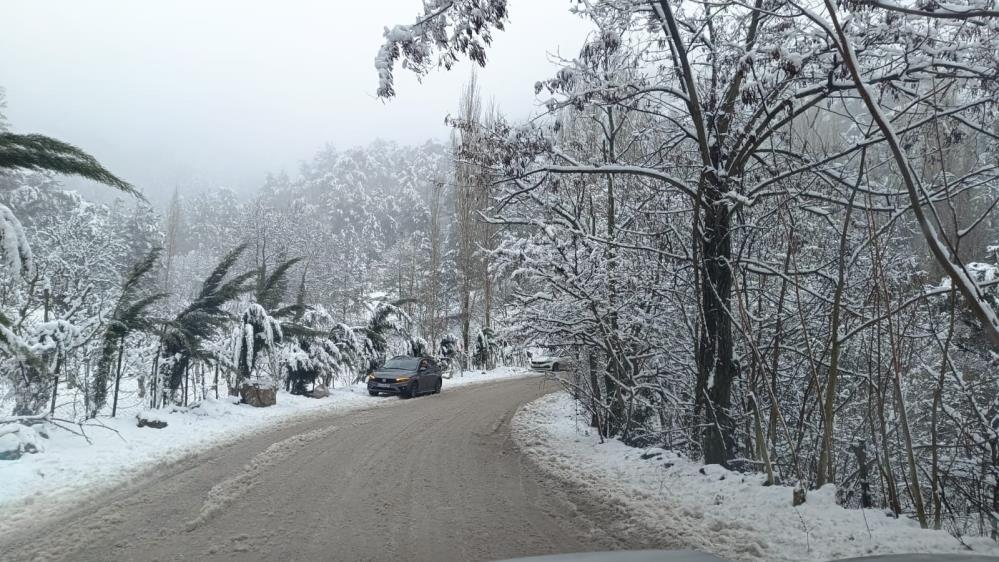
[55, 385]
[826, 469]
[117, 377]
[716, 369]
[903, 418]
[154, 395]
[465, 320]
[860, 450]
[487, 297]
[761, 440]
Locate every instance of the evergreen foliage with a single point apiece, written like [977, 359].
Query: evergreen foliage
[258, 332]
[41, 153]
[131, 313]
[183, 336]
[484, 356]
[418, 347]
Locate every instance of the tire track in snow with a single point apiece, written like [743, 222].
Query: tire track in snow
[224, 493]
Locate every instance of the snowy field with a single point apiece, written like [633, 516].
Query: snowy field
[725, 513]
[70, 470]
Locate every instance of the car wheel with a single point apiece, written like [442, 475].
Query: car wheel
[414, 390]
[437, 389]
[373, 393]
[555, 367]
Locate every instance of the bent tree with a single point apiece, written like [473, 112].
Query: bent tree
[38, 352]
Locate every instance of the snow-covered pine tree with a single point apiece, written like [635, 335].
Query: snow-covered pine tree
[182, 337]
[418, 347]
[484, 356]
[257, 333]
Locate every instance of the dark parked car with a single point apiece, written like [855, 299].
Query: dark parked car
[406, 376]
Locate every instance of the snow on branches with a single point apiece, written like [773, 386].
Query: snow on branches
[447, 29]
[17, 257]
[257, 333]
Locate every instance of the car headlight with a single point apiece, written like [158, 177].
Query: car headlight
[402, 379]
[371, 376]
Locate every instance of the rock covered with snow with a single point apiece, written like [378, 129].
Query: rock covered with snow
[320, 391]
[151, 418]
[17, 440]
[258, 396]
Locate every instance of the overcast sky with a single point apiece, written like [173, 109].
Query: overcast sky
[192, 93]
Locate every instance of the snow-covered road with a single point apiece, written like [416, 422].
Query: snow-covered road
[71, 469]
[435, 478]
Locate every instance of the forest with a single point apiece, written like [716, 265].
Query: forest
[767, 233]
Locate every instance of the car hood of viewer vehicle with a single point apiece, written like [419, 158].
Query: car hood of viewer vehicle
[693, 556]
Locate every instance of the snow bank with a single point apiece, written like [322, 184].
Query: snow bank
[71, 470]
[709, 508]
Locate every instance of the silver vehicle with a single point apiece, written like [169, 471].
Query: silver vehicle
[552, 363]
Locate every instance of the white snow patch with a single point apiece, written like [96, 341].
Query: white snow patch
[709, 508]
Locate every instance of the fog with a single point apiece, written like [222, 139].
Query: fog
[191, 94]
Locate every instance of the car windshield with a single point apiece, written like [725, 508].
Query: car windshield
[401, 364]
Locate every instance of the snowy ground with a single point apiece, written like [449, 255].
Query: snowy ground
[727, 514]
[70, 469]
